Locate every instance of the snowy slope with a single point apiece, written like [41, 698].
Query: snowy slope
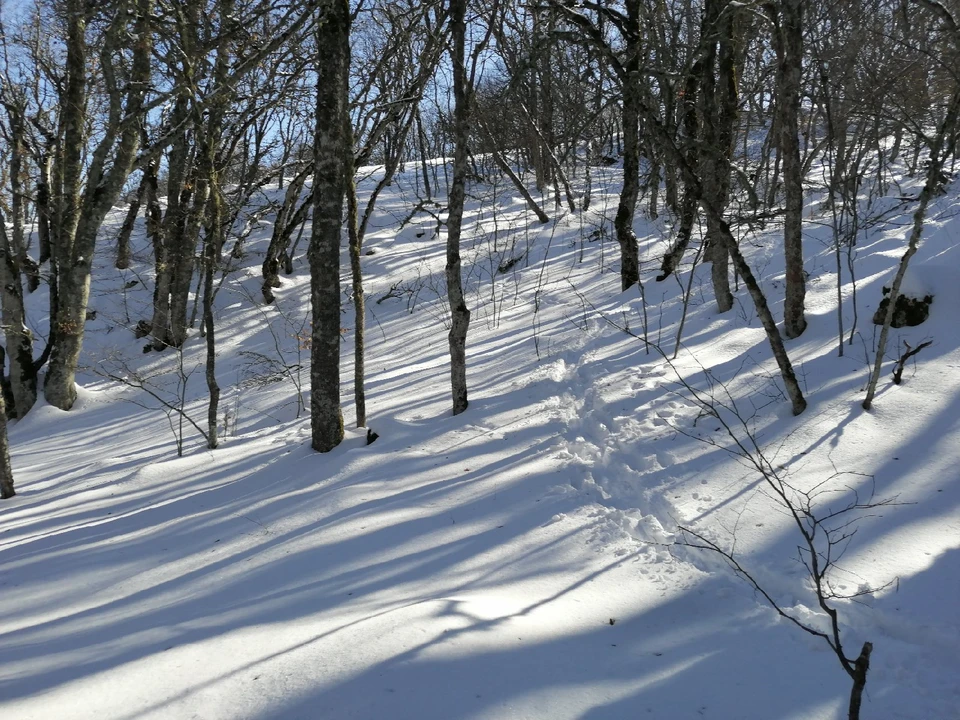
[519, 560]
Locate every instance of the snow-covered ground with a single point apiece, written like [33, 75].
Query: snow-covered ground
[520, 560]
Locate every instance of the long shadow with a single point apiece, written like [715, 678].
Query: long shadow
[227, 533]
[662, 662]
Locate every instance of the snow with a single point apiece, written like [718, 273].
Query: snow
[521, 560]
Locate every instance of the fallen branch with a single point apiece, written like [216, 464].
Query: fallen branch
[898, 371]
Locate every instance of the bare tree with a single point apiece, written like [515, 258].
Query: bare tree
[464, 84]
[942, 147]
[825, 514]
[89, 186]
[788, 41]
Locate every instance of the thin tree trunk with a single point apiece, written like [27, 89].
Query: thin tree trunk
[355, 241]
[210, 262]
[126, 230]
[690, 201]
[422, 151]
[169, 226]
[792, 387]
[554, 161]
[6, 469]
[460, 314]
[934, 168]
[282, 231]
[43, 208]
[517, 182]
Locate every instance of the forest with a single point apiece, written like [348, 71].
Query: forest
[697, 255]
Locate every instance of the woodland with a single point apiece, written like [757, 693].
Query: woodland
[723, 155]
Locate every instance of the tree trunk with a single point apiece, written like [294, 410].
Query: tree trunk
[19, 339]
[329, 186]
[170, 225]
[211, 253]
[860, 668]
[43, 208]
[107, 168]
[791, 385]
[355, 241]
[286, 220]
[517, 182]
[460, 314]
[6, 469]
[691, 199]
[934, 169]
[789, 47]
[73, 288]
[626, 210]
[126, 230]
[211, 149]
[714, 159]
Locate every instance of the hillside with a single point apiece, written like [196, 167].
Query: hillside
[523, 559]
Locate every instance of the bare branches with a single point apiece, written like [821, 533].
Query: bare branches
[826, 515]
[173, 404]
[898, 371]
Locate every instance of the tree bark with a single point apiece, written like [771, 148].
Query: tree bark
[43, 208]
[690, 202]
[13, 259]
[626, 209]
[789, 46]
[355, 240]
[715, 160]
[19, 339]
[329, 187]
[126, 230]
[6, 469]
[288, 217]
[859, 673]
[460, 314]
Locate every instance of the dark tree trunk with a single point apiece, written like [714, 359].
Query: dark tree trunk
[713, 160]
[168, 228]
[691, 198]
[719, 99]
[6, 469]
[789, 47]
[626, 210]
[43, 208]
[289, 216]
[329, 187]
[355, 241]
[211, 252]
[459, 313]
[126, 230]
[859, 674]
